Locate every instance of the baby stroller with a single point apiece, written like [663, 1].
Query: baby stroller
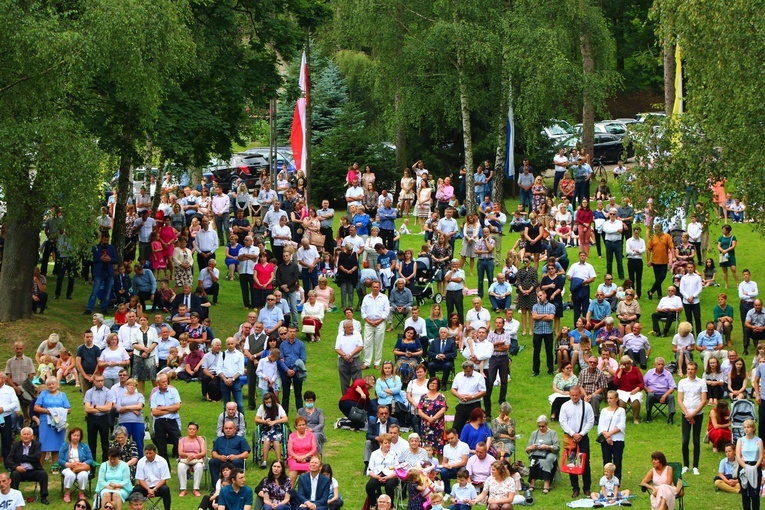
[740, 411]
[423, 282]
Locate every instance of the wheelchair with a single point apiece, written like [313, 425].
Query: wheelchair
[257, 446]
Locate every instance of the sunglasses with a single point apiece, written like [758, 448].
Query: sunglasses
[82, 505]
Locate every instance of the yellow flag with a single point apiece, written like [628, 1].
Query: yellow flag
[678, 105]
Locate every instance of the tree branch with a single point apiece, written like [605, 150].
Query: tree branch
[32, 77]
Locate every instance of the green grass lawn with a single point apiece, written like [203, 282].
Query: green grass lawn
[344, 448]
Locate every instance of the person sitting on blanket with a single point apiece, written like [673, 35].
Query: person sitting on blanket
[609, 489]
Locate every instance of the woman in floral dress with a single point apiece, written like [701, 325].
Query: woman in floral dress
[431, 410]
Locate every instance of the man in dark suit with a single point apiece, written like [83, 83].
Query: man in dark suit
[441, 354]
[375, 428]
[313, 488]
[24, 463]
[191, 300]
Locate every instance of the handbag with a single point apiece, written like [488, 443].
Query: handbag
[574, 462]
[706, 438]
[317, 239]
[601, 438]
[309, 325]
[723, 258]
[358, 414]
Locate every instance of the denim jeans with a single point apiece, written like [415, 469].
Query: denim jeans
[485, 267]
[234, 391]
[526, 200]
[108, 281]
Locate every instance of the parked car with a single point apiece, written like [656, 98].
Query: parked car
[246, 167]
[610, 127]
[282, 156]
[652, 117]
[557, 129]
[608, 147]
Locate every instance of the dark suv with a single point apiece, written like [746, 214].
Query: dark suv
[246, 167]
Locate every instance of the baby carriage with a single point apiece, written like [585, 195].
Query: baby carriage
[423, 282]
[740, 411]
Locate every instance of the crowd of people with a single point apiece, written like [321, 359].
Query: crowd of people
[602, 356]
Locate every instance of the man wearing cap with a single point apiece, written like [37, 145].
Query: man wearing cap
[469, 388]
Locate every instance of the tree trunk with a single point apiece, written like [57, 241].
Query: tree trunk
[588, 110]
[124, 188]
[401, 162]
[467, 139]
[498, 181]
[669, 76]
[22, 241]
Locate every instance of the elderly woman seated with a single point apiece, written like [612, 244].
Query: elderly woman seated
[543, 449]
[629, 386]
[609, 337]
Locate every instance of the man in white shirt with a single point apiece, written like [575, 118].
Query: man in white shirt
[635, 250]
[456, 455]
[690, 288]
[144, 225]
[397, 445]
[230, 369]
[308, 260]
[151, 476]
[420, 328]
[561, 162]
[10, 499]
[205, 244]
[747, 293]
[692, 397]
[581, 275]
[375, 309]
[9, 410]
[478, 316]
[208, 280]
[447, 226]
[355, 240]
[248, 256]
[469, 388]
[668, 309]
[612, 233]
[127, 331]
[694, 231]
[354, 195]
[208, 378]
[576, 420]
[348, 347]
[266, 196]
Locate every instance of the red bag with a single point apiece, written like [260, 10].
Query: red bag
[573, 461]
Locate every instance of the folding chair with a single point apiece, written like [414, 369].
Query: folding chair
[677, 322]
[205, 467]
[679, 483]
[399, 496]
[154, 503]
[400, 318]
[76, 485]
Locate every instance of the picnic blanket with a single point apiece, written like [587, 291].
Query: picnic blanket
[589, 503]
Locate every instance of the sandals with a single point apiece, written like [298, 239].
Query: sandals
[545, 491]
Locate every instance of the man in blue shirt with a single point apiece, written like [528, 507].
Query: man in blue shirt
[104, 257]
[294, 357]
[710, 344]
[144, 284]
[387, 215]
[271, 316]
[228, 448]
[500, 294]
[236, 495]
[597, 312]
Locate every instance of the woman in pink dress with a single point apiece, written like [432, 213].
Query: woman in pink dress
[660, 483]
[300, 448]
[168, 236]
[157, 254]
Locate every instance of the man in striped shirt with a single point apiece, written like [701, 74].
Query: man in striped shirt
[543, 314]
